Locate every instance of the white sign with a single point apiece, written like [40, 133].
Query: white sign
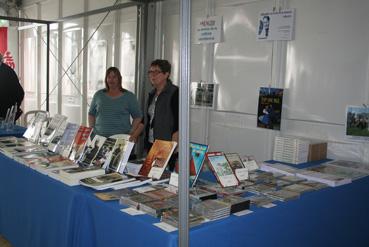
[209, 30]
[276, 26]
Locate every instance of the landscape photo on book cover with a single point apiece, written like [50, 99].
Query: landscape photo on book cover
[357, 122]
[270, 108]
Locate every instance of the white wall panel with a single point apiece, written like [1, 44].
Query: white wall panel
[327, 63]
[242, 64]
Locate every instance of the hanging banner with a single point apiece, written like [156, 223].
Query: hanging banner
[209, 30]
[3, 39]
[7, 56]
[276, 25]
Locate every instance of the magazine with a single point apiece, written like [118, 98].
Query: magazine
[65, 144]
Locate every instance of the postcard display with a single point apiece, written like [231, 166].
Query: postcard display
[73, 155]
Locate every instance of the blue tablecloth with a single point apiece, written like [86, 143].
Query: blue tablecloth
[37, 211]
[15, 131]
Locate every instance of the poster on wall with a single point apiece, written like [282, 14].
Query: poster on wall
[208, 30]
[357, 122]
[203, 95]
[270, 108]
[7, 56]
[276, 25]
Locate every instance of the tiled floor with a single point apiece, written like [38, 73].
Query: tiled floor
[4, 243]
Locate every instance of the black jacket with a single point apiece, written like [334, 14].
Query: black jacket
[11, 91]
[166, 114]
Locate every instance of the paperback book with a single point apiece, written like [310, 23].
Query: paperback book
[105, 181]
[90, 150]
[52, 128]
[65, 144]
[157, 159]
[121, 151]
[79, 141]
[57, 137]
[270, 108]
[33, 131]
[219, 165]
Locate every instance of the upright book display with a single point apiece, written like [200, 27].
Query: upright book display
[157, 159]
[219, 165]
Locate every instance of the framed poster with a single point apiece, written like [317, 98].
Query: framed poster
[270, 108]
[203, 94]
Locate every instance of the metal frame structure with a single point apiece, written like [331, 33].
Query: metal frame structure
[47, 23]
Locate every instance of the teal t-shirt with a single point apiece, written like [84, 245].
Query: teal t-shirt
[113, 113]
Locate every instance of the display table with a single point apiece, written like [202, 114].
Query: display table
[15, 131]
[37, 211]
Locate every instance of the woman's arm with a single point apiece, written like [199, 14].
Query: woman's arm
[137, 127]
[91, 120]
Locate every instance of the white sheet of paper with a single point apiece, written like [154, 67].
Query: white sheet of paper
[243, 212]
[166, 227]
[132, 211]
[269, 205]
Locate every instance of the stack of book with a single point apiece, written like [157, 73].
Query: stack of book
[171, 217]
[291, 149]
[212, 209]
[105, 181]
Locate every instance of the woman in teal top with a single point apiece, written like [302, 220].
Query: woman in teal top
[111, 109]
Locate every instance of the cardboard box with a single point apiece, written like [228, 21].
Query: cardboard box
[317, 151]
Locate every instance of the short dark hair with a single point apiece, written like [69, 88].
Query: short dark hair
[164, 65]
[116, 71]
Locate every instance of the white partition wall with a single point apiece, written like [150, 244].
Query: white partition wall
[322, 70]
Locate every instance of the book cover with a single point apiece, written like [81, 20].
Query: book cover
[79, 141]
[103, 157]
[33, 131]
[157, 159]
[65, 144]
[198, 152]
[219, 165]
[119, 157]
[270, 108]
[57, 137]
[90, 150]
[52, 128]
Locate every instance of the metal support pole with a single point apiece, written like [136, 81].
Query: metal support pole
[185, 24]
[47, 66]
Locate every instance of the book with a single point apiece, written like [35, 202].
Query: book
[33, 131]
[57, 137]
[157, 159]
[269, 108]
[115, 194]
[157, 208]
[105, 181]
[328, 179]
[52, 128]
[236, 203]
[198, 152]
[90, 150]
[239, 169]
[103, 157]
[71, 176]
[121, 151]
[358, 166]
[219, 165]
[65, 144]
[79, 141]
